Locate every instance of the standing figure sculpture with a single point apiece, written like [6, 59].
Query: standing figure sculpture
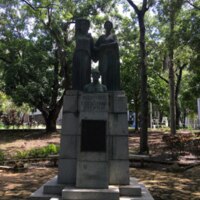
[108, 55]
[81, 69]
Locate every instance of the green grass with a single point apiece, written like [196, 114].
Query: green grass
[11, 127]
[42, 152]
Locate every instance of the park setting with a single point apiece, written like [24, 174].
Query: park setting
[100, 100]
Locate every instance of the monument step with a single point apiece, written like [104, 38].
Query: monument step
[133, 198]
[52, 187]
[90, 194]
[130, 190]
[39, 195]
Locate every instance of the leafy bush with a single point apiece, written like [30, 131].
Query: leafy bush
[42, 152]
[52, 149]
[39, 152]
[22, 154]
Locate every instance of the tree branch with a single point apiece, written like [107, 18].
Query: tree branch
[179, 78]
[161, 77]
[36, 8]
[144, 5]
[29, 4]
[151, 2]
[192, 4]
[5, 60]
[133, 6]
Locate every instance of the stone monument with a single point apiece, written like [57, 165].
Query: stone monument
[94, 157]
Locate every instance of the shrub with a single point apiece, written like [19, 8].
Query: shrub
[42, 152]
[22, 154]
[52, 149]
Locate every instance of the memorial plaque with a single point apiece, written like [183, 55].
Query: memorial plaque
[94, 103]
[93, 136]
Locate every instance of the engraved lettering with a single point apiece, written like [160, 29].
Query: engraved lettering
[91, 103]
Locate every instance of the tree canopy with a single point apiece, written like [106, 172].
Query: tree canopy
[159, 52]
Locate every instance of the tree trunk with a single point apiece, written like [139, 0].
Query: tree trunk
[160, 117]
[50, 125]
[136, 115]
[178, 115]
[184, 118]
[51, 116]
[171, 75]
[144, 100]
[172, 95]
[179, 79]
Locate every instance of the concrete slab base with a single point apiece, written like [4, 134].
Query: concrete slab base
[90, 194]
[39, 195]
[144, 196]
[54, 191]
[52, 187]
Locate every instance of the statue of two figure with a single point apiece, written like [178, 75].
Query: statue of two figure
[105, 50]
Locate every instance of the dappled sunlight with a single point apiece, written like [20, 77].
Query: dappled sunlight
[167, 185]
[163, 185]
[20, 185]
[10, 147]
[196, 194]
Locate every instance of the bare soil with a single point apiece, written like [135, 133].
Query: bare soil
[11, 142]
[164, 181]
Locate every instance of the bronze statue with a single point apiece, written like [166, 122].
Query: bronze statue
[95, 86]
[81, 69]
[108, 56]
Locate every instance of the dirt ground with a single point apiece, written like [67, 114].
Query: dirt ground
[18, 186]
[164, 184]
[10, 142]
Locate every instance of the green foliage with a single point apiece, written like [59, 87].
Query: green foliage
[36, 47]
[36, 50]
[42, 152]
[130, 78]
[22, 154]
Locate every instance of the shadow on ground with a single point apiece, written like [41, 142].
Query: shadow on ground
[167, 185]
[19, 186]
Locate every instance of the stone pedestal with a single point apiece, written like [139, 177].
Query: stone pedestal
[94, 140]
[94, 160]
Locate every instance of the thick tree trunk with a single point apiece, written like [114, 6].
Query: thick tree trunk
[172, 97]
[171, 75]
[144, 99]
[178, 85]
[51, 116]
[50, 125]
[184, 118]
[50, 120]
